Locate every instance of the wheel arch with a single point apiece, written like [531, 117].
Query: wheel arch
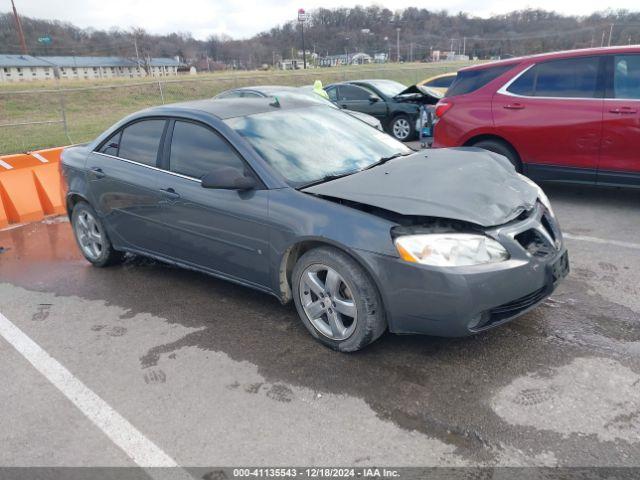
[299, 248]
[497, 138]
[73, 198]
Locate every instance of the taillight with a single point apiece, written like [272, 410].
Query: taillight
[442, 108]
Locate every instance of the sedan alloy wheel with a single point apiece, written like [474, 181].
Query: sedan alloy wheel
[328, 302]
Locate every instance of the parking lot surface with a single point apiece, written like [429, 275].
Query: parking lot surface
[209, 373]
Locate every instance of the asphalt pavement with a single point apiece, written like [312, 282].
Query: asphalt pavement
[191, 370]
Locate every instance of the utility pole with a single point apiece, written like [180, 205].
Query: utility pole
[398, 44]
[602, 42]
[610, 33]
[23, 44]
[302, 17]
[135, 44]
[464, 45]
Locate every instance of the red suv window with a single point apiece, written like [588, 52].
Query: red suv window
[468, 81]
[566, 78]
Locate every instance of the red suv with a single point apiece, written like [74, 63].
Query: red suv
[568, 116]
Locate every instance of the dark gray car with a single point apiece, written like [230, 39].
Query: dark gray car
[305, 203]
[281, 91]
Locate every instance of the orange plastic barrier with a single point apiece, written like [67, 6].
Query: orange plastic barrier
[4, 221]
[50, 188]
[30, 186]
[20, 197]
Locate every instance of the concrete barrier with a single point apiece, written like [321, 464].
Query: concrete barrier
[30, 186]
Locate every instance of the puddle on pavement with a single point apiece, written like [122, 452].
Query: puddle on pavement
[441, 387]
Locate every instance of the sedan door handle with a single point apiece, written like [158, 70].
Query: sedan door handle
[514, 106]
[97, 172]
[170, 192]
[623, 110]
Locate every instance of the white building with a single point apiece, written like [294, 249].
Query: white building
[291, 64]
[344, 59]
[18, 68]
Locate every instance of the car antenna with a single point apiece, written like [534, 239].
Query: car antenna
[275, 103]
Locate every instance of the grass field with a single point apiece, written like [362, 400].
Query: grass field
[91, 106]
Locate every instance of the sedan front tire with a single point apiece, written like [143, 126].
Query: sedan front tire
[337, 300]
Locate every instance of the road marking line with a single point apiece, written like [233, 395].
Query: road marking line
[39, 157]
[134, 444]
[602, 241]
[5, 165]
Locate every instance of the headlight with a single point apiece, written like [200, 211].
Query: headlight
[450, 249]
[541, 195]
[545, 201]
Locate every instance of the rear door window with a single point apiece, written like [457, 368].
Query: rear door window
[140, 141]
[626, 77]
[230, 94]
[524, 83]
[468, 81]
[110, 147]
[566, 78]
[196, 150]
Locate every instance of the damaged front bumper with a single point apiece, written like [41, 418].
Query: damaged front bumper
[460, 301]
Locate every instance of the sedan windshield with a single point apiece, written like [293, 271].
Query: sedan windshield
[390, 88]
[307, 145]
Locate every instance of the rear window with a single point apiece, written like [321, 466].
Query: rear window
[567, 78]
[469, 81]
[443, 82]
[140, 142]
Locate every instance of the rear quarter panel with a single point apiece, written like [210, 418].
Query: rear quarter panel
[471, 114]
[73, 163]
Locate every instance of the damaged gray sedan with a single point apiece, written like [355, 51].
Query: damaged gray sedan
[305, 203]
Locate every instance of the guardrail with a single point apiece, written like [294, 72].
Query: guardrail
[30, 186]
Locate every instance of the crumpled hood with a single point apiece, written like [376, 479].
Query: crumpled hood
[419, 91]
[467, 184]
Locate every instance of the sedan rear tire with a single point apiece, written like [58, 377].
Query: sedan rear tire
[337, 300]
[92, 237]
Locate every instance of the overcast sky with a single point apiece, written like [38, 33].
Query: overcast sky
[241, 19]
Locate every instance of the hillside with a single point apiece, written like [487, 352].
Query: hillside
[331, 31]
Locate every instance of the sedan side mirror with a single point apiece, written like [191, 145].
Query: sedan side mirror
[228, 178]
[374, 98]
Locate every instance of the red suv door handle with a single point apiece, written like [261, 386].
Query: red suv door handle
[514, 106]
[623, 110]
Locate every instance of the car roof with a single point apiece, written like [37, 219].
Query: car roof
[266, 88]
[582, 52]
[224, 108]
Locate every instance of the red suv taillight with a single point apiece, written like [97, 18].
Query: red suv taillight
[442, 108]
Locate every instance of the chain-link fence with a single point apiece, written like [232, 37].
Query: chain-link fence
[33, 118]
